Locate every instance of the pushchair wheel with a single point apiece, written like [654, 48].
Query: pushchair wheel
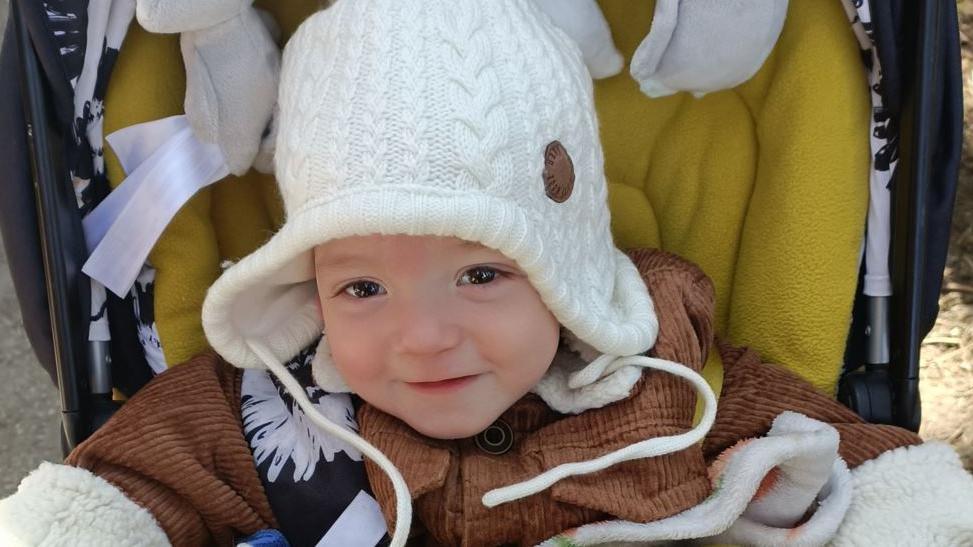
[868, 392]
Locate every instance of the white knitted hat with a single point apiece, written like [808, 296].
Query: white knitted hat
[456, 118]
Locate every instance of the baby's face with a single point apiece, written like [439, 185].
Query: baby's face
[444, 334]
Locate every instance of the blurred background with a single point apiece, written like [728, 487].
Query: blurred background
[29, 422]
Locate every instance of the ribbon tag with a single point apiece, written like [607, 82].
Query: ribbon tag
[361, 524]
[166, 165]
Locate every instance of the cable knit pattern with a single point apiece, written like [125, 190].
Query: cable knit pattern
[432, 117]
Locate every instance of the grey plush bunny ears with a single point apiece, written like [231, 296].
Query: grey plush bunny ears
[232, 72]
[697, 46]
[233, 61]
[702, 46]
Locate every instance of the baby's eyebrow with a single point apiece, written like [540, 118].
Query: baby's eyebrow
[340, 260]
[472, 246]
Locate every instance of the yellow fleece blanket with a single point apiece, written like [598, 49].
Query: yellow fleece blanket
[763, 185]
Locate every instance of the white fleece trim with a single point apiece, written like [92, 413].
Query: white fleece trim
[913, 495]
[64, 505]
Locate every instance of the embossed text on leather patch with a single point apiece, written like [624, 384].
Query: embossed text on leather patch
[558, 172]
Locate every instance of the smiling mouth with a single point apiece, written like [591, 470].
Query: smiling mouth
[444, 385]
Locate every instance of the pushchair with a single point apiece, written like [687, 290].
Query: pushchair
[57, 66]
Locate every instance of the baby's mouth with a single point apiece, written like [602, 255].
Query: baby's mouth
[444, 385]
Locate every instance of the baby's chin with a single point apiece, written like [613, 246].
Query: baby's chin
[451, 429]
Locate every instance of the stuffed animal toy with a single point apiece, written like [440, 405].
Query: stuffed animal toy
[702, 46]
[583, 21]
[233, 62]
[697, 46]
[232, 69]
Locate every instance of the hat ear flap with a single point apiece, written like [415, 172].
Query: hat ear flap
[324, 372]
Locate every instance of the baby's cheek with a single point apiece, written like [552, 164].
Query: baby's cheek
[356, 355]
[353, 369]
[529, 338]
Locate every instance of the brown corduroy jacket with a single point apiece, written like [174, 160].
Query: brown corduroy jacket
[177, 448]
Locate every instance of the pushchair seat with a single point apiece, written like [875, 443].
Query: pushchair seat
[762, 185]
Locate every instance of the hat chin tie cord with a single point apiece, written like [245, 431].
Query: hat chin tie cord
[403, 500]
[597, 369]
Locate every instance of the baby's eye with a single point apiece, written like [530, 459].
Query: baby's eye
[363, 289]
[479, 275]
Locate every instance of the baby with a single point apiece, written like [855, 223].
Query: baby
[447, 259]
[447, 227]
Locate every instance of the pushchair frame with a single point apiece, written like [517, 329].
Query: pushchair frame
[883, 392]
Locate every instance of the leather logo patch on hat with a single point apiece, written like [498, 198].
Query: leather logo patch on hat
[558, 172]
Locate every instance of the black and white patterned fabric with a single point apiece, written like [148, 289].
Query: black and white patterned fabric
[66, 20]
[885, 155]
[89, 34]
[144, 305]
[310, 477]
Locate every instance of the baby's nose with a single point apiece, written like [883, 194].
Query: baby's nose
[426, 328]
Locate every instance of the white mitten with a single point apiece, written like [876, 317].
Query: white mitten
[803, 498]
[701, 46]
[583, 22]
[232, 71]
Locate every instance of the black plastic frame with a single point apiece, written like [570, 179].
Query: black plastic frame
[929, 151]
[59, 226]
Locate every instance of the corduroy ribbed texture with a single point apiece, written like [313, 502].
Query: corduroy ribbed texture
[177, 449]
[755, 393]
[449, 478]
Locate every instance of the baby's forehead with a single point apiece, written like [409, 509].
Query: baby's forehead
[376, 247]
